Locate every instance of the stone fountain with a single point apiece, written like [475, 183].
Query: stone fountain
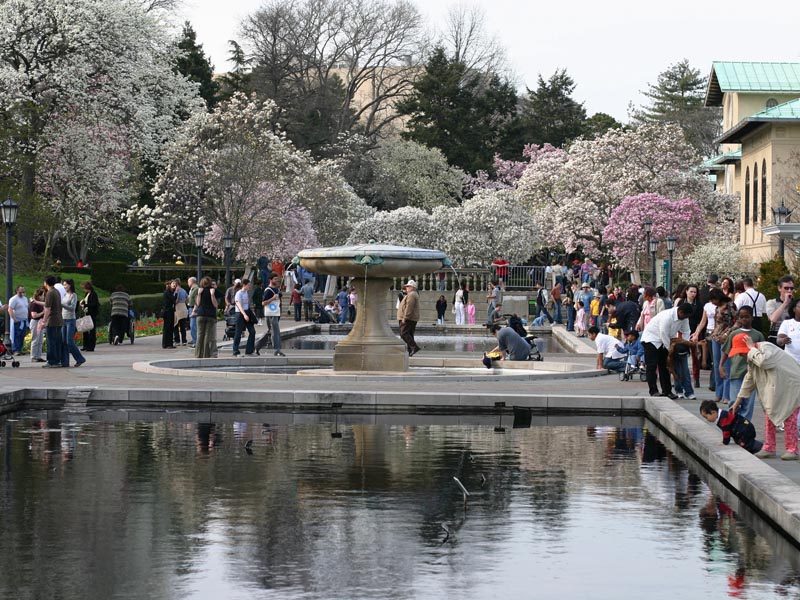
[371, 344]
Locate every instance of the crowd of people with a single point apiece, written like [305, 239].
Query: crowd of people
[748, 343]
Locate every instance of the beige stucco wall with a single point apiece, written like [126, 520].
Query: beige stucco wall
[739, 105]
[775, 144]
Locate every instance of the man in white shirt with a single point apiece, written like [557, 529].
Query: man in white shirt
[608, 357]
[656, 341]
[18, 311]
[752, 297]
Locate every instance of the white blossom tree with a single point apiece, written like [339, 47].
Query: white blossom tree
[106, 64]
[406, 226]
[489, 224]
[229, 171]
[573, 193]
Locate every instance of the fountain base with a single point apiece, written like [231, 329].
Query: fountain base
[370, 356]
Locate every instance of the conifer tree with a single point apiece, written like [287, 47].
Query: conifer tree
[550, 115]
[678, 97]
[193, 64]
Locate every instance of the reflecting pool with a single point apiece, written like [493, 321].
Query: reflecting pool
[253, 506]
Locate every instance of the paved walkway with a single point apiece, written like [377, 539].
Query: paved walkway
[110, 367]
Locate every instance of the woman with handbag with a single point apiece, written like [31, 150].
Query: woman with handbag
[68, 305]
[91, 308]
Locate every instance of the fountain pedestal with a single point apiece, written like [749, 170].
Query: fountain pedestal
[371, 344]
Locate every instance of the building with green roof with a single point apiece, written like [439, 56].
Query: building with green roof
[760, 144]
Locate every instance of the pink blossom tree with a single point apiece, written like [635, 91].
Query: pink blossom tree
[625, 234]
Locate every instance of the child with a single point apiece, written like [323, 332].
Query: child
[733, 426]
[678, 365]
[738, 359]
[634, 349]
[580, 320]
[594, 309]
[470, 308]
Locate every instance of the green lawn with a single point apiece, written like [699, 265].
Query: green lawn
[31, 282]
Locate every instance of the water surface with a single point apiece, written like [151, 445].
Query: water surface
[173, 508]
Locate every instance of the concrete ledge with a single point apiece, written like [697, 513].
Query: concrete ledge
[773, 494]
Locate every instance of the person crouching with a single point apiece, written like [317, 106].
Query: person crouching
[734, 426]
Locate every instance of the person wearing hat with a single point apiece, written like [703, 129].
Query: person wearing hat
[738, 363]
[408, 316]
[776, 377]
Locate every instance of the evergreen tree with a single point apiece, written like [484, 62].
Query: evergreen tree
[550, 115]
[193, 64]
[468, 116]
[678, 97]
[596, 125]
[237, 79]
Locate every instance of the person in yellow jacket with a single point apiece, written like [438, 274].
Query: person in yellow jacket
[408, 316]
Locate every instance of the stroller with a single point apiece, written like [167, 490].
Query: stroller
[322, 315]
[630, 371]
[516, 324]
[230, 325]
[5, 355]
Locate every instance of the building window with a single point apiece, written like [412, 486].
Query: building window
[764, 190]
[772, 102]
[755, 193]
[747, 196]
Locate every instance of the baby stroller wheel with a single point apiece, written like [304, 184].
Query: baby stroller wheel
[623, 376]
[15, 364]
[2, 363]
[642, 376]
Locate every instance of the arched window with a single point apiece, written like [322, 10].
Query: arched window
[764, 190]
[755, 192]
[747, 196]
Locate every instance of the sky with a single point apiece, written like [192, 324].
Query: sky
[611, 49]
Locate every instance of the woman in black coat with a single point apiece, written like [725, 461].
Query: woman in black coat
[168, 314]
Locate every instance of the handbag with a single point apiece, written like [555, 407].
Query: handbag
[84, 324]
[273, 307]
[181, 311]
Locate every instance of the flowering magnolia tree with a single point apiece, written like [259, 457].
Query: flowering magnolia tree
[405, 226]
[507, 172]
[626, 238]
[488, 225]
[716, 255]
[104, 66]
[573, 193]
[406, 173]
[484, 226]
[231, 172]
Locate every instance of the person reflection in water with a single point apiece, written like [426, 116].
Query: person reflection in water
[208, 437]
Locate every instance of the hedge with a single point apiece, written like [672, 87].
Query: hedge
[143, 305]
[108, 275]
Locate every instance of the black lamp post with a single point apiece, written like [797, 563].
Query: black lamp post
[653, 250]
[781, 217]
[199, 238]
[648, 227]
[9, 208]
[671, 241]
[227, 244]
